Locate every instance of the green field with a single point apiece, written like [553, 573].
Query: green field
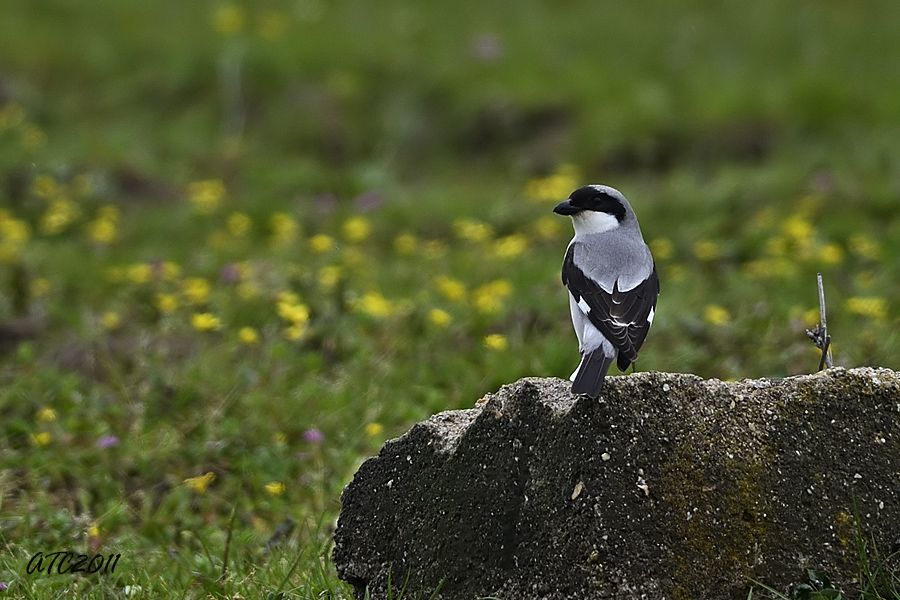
[243, 244]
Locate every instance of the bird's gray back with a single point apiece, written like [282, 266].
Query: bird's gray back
[616, 255]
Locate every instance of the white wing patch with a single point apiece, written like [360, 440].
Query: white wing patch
[583, 306]
[651, 315]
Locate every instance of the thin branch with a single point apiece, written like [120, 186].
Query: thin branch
[228, 543]
[819, 335]
[826, 355]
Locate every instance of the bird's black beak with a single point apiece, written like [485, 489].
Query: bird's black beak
[565, 208]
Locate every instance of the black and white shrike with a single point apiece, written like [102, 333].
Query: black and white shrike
[612, 283]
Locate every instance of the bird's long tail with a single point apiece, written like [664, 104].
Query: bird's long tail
[588, 379]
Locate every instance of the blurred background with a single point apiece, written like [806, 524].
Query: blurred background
[243, 243]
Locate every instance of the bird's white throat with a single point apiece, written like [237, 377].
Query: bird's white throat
[591, 221]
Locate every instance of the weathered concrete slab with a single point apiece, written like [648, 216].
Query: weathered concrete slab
[669, 486]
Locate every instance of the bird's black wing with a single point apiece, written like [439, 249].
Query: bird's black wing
[622, 317]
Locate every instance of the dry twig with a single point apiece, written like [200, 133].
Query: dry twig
[819, 335]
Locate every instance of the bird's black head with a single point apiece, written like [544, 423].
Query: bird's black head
[591, 198]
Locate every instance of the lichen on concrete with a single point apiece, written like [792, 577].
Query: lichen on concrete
[668, 486]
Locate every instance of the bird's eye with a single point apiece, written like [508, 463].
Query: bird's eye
[605, 203]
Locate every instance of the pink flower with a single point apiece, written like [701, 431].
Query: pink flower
[230, 274]
[313, 436]
[108, 441]
[368, 201]
[487, 48]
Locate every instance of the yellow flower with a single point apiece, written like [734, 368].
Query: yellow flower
[356, 229]
[201, 482]
[555, 187]
[548, 228]
[496, 341]
[247, 290]
[46, 414]
[239, 224]
[707, 250]
[489, 297]
[472, 231]
[374, 429]
[353, 257]
[102, 231]
[61, 213]
[272, 24]
[439, 318]
[811, 316]
[405, 243]
[777, 246]
[831, 254]
[435, 249]
[244, 269]
[452, 289]
[110, 320]
[294, 312]
[864, 247]
[41, 439]
[139, 273]
[206, 195]
[166, 303]
[170, 271]
[228, 19]
[105, 228]
[798, 229]
[218, 240]
[676, 273]
[84, 185]
[248, 336]
[716, 315]
[284, 228]
[205, 321]
[510, 246]
[295, 332]
[94, 530]
[767, 268]
[662, 248]
[866, 278]
[196, 289]
[868, 306]
[275, 488]
[109, 212]
[374, 305]
[321, 243]
[45, 187]
[14, 234]
[40, 287]
[11, 115]
[808, 204]
[32, 137]
[763, 219]
[287, 297]
[329, 276]
[280, 438]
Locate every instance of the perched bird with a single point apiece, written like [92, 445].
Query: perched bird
[612, 283]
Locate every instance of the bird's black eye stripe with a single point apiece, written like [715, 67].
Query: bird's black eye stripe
[589, 198]
[606, 203]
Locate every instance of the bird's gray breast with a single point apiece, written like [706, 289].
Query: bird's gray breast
[618, 255]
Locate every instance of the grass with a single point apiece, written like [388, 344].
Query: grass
[878, 576]
[879, 579]
[241, 244]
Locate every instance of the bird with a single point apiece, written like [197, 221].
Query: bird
[612, 283]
